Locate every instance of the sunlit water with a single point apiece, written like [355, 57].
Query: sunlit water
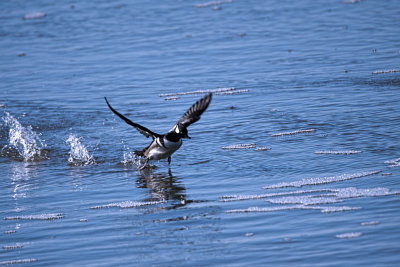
[295, 162]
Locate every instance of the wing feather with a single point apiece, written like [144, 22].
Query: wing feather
[143, 130]
[193, 113]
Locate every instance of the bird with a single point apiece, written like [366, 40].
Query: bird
[164, 145]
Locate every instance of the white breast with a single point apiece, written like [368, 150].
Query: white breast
[160, 152]
[172, 145]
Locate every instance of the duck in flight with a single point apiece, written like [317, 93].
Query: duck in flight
[164, 145]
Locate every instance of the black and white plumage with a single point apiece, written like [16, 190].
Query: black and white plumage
[164, 145]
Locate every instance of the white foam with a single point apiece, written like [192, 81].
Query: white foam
[293, 207]
[322, 180]
[239, 146]
[393, 162]
[385, 71]
[266, 209]
[78, 154]
[349, 235]
[35, 15]
[44, 216]
[338, 152]
[304, 200]
[294, 132]
[128, 204]
[213, 3]
[262, 149]
[15, 246]
[353, 1]
[233, 92]
[330, 209]
[171, 98]
[307, 199]
[229, 198]
[218, 91]
[352, 192]
[27, 142]
[370, 223]
[18, 261]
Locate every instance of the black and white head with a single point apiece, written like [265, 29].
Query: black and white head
[181, 130]
[191, 116]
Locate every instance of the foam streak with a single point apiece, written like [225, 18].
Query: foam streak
[322, 180]
[294, 132]
[127, 204]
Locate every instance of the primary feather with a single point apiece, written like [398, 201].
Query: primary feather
[193, 113]
[143, 130]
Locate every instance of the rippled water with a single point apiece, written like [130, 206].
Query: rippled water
[295, 162]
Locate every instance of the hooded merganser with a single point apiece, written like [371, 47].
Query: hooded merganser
[164, 145]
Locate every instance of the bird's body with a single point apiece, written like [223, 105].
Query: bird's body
[160, 148]
[163, 146]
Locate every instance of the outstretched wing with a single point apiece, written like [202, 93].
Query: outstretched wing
[193, 113]
[143, 130]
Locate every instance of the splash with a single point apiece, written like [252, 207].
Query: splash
[130, 158]
[79, 155]
[23, 140]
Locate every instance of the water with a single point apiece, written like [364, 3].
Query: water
[295, 163]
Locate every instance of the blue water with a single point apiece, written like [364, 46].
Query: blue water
[308, 77]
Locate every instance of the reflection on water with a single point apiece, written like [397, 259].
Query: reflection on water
[163, 187]
[23, 174]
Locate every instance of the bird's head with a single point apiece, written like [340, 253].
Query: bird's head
[182, 131]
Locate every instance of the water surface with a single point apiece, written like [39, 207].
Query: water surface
[296, 161]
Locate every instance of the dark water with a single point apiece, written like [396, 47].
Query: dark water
[297, 165]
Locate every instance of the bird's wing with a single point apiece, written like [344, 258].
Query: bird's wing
[143, 130]
[193, 113]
